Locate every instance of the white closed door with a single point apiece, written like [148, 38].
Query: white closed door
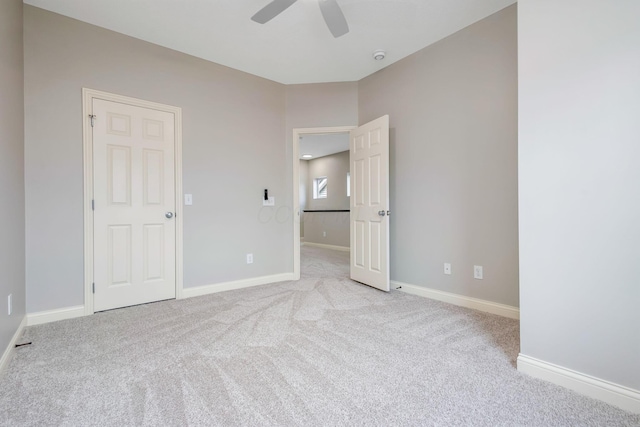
[134, 205]
[369, 157]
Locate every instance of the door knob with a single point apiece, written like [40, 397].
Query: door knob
[382, 213]
[169, 215]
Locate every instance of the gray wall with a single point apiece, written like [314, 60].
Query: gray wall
[453, 171]
[321, 105]
[233, 148]
[579, 96]
[11, 170]
[334, 224]
[327, 228]
[335, 167]
[310, 106]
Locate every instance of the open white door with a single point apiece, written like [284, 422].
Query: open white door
[369, 156]
[134, 194]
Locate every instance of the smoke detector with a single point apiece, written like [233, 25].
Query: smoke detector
[379, 55]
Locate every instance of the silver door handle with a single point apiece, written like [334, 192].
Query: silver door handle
[382, 213]
[169, 215]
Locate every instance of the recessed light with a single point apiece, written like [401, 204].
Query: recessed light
[307, 156]
[379, 55]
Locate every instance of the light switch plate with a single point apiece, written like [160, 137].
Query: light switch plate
[188, 199]
[270, 202]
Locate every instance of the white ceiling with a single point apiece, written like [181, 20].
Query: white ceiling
[323, 144]
[294, 47]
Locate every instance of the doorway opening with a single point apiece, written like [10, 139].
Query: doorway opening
[320, 199]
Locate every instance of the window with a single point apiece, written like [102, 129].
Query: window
[348, 184]
[320, 188]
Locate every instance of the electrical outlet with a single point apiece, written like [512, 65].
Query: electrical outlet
[9, 304]
[477, 272]
[324, 234]
[249, 258]
[447, 268]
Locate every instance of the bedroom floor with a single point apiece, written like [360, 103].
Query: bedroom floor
[320, 351]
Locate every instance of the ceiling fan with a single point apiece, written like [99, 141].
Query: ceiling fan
[330, 9]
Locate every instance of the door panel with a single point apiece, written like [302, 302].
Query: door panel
[357, 184]
[153, 256]
[134, 186]
[119, 175]
[357, 244]
[153, 174]
[375, 196]
[119, 255]
[369, 152]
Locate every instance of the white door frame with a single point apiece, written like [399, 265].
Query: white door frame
[88, 95]
[297, 133]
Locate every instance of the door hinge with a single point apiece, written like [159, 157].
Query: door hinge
[93, 118]
[93, 287]
[93, 205]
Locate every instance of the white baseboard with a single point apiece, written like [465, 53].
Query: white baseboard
[55, 315]
[614, 394]
[79, 311]
[461, 300]
[8, 352]
[334, 247]
[236, 284]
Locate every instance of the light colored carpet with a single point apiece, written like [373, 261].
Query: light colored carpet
[320, 351]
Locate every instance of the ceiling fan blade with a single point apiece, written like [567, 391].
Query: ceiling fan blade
[270, 11]
[334, 17]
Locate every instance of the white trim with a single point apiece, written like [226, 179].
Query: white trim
[55, 315]
[87, 150]
[614, 394]
[461, 300]
[297, 133]
[87, 101]
[236, 284]
[8, 352]
[332, 247]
